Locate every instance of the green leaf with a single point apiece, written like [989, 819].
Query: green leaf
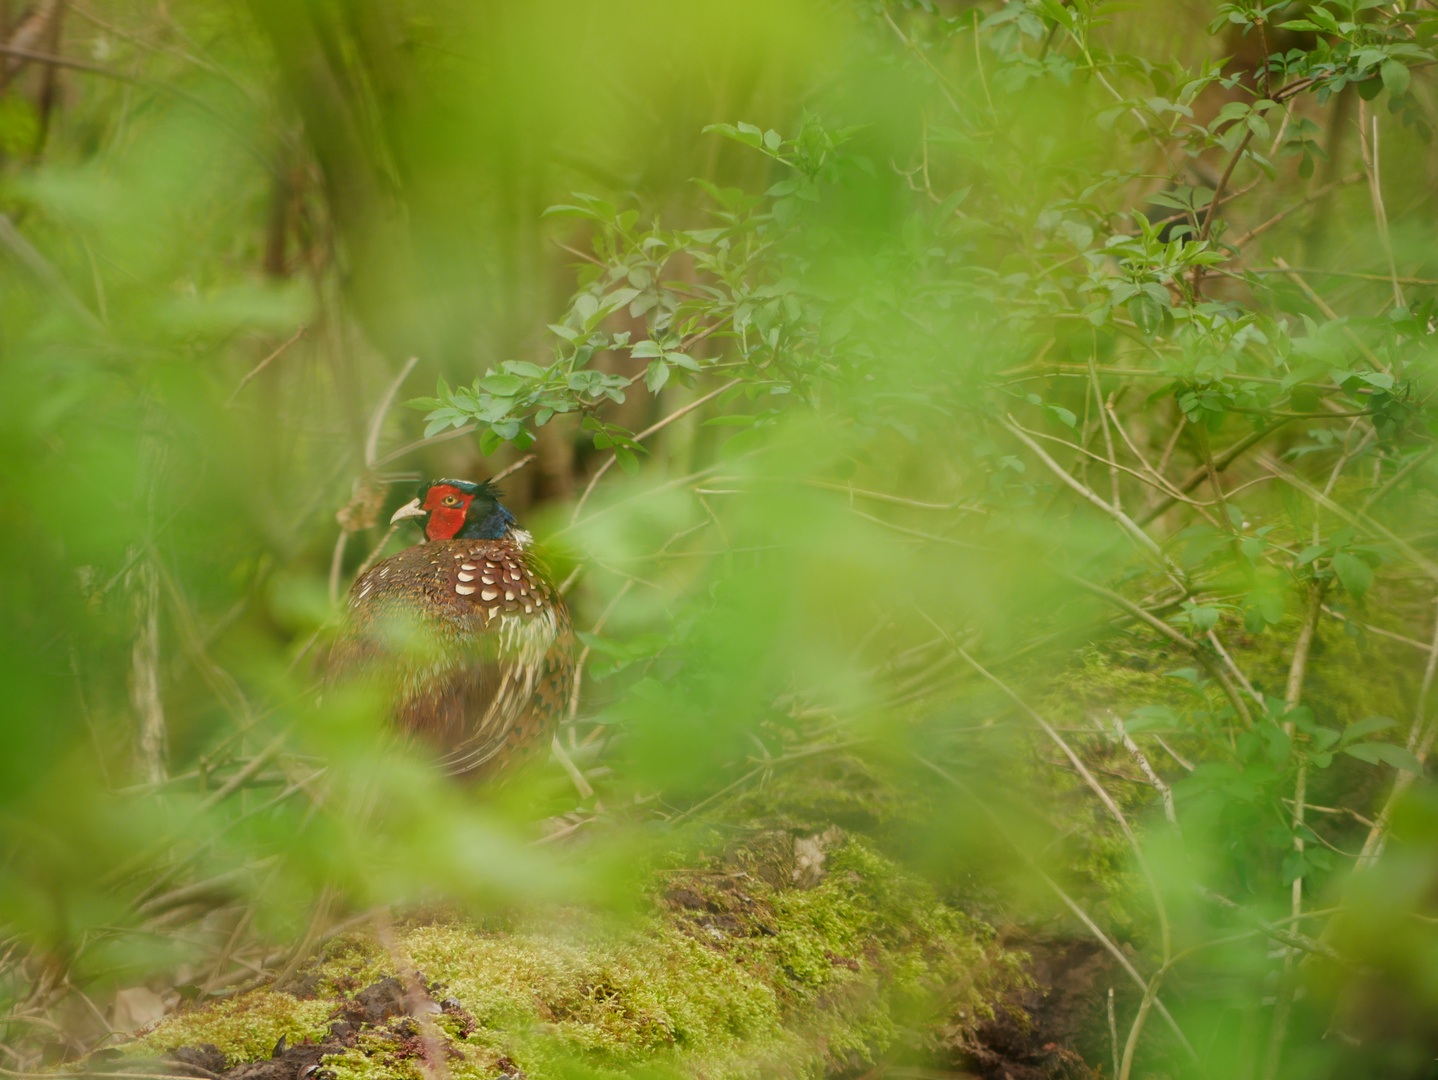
[1203, 617]
[1324, 18]
[570, 211]
[1355, 574]
[586, 306]
[1062, 415]
[1294, 867]
[1395, 77]
[489, 442]
[1367, 727]
[1377, 753]
[1253, 620]
[619, 297]
[1380, 380]
[1277, 742]
[747, 134]
[503, 385]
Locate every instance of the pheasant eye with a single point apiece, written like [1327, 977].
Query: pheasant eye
[450, 500]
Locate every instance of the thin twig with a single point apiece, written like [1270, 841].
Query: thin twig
[264, 364]
[251, 767]
[1220, 463]
[1329, 313]
[1113, 1031]
[584, 653]
[1354, 274]
[1141, 538]
[1088, 778]
[652, 429]
[566, 763]
[1360, 519]
[1208, 217]
[1396, 478]
[41, 267]
[1165, 792]
[1150, 995]
[881, 496]
[1159, 485]
[1292, 695]
[1123, 602]
[1420, 741]
[510, 470]
[1233, 667]
[376, 424]
[1226, 522]
[1375, 189]
[1259, 230]
[941, 82]
[1103, 417]
[420, 444]
[1161, 481]
[337, 561]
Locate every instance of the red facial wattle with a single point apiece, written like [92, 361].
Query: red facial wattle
[445, 521]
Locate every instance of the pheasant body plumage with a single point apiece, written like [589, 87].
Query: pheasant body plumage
[469, 631]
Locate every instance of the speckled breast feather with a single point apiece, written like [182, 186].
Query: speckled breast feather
[478, 643]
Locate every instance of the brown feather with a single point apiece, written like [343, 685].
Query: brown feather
[477, 643]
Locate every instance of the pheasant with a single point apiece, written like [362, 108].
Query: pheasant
[467, 631]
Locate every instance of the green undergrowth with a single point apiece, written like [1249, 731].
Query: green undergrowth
[1173, 707]
[737, 970]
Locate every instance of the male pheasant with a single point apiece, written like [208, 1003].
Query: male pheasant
[467, 631]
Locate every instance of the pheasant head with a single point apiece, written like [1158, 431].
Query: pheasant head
[460, 510]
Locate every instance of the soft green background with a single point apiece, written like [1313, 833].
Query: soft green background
[910, 234]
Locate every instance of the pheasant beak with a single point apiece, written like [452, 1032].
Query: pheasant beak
[411, 509]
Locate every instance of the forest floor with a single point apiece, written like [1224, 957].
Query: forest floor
[752, 962]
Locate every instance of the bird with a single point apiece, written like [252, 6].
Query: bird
[465, 632]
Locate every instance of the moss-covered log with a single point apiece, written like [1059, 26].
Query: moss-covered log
[791, 956]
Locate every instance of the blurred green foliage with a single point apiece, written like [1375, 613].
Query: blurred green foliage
[1023, 407]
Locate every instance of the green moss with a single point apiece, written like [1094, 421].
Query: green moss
[244, 1029]
[735, 978]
